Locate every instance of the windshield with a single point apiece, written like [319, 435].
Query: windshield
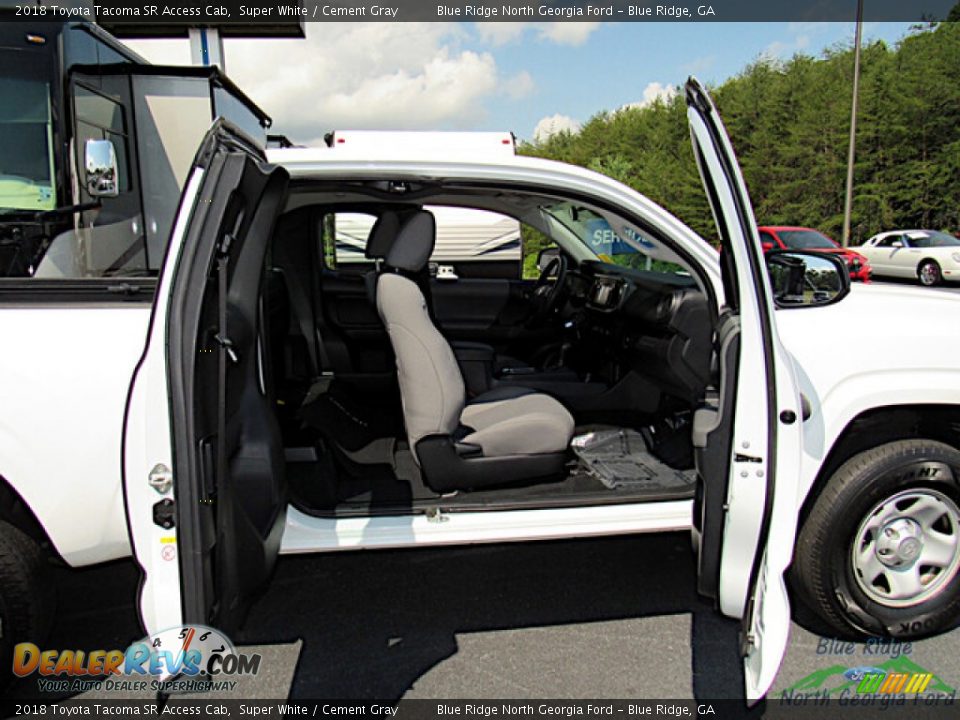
[933, 238]
[602, 241]
[26, 136]
[806, 240]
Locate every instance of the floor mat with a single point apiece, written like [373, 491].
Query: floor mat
[350, 424]
[620, 459]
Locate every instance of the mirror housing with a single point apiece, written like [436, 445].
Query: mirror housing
[547, 256]
[806, 279]
[766, 246]
[100, 163]
[897, 244]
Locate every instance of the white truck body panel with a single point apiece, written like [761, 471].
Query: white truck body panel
[66, 375]
[149, 444]
[422, 145]
[308, 534]
[883, 345]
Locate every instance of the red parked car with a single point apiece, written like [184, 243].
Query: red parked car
[783, 237]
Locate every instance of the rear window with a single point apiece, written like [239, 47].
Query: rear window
[806, 240]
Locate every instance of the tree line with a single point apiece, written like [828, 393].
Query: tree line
[789, 123]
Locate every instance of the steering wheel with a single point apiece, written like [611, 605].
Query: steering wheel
[548, 290]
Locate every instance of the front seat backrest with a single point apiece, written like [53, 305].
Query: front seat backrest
[431, 386]
[379, 242]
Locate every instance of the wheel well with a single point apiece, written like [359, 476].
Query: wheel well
[882, 425]
[926, 260]
[15, 511]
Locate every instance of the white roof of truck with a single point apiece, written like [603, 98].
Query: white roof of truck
[422, 145]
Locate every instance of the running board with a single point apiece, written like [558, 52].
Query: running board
[307, 534]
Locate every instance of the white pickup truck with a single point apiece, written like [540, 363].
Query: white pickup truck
[253, 399]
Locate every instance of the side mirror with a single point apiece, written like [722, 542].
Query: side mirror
[766, 246]
[805, 279]
[897, 244]
[547, 256]
[101, 167]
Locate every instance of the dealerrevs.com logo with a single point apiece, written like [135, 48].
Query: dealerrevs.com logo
[184, 658]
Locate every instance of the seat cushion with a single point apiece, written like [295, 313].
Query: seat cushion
[528, 423]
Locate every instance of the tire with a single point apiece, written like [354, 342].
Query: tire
[26, 596]
[929, 273]
[892, 585]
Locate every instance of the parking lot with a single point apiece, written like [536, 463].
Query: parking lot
[601, 618]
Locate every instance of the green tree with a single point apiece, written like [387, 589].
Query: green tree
[789, 123]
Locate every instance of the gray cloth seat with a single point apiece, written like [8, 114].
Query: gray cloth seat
[505, 436]
[380, 240]
[528, 423]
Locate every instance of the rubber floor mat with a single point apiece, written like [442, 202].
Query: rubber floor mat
[619, 458]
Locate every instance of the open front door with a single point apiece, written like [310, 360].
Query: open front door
[748, 438]
[203, 458]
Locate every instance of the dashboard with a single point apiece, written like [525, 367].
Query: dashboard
[606, 293]
[656, 324]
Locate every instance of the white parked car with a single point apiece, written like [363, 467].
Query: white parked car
[246, 402]
[930, 256]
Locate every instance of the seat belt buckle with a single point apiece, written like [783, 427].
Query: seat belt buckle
[227, 345]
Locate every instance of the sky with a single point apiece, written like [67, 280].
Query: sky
[529, 78]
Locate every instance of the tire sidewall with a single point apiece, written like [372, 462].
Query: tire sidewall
[875, 485]
[6, 640]
[27, 595]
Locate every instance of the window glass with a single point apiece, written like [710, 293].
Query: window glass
[98, 110]
[26, 138]
[344, 238]
[932, 239]
[468, 235]
[889, 240]
[100, 118]
[469, 243]
[806, 240]
[229, 107]
[349, 234]
[637, 251]
[107, 240]
[534, 242]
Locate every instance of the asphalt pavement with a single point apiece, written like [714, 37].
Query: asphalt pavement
[599, 618]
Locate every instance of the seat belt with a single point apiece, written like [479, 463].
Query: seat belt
[303, 310]
[227, 353]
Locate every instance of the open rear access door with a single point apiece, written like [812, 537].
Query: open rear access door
[203, 457]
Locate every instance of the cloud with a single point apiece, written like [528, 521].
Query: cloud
[500, 33]
[370, 76]
[561, 33]
[447, 88]
[786, 48]
[554, 124]
[568, 33]
[699, 65]
[519, 86]
[653, 92]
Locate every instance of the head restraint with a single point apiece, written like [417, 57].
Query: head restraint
[382, 234]
[414, 244]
